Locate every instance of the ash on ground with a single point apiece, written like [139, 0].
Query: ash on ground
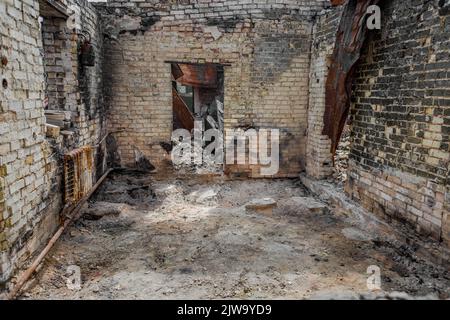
[188, 237]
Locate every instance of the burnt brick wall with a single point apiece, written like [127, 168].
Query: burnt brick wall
[401, 118]
[54, 62]
[319, 159]
[72, 86]
[266, 43]
[92, 116]
[23, 165]
[30, 164]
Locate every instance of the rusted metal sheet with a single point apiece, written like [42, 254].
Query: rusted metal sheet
[337, 2]
[181, 112]
[349, 41]
[176, 71]
[78, 173]
[196, 75]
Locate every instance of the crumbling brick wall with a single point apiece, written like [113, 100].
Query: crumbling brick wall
[30, 180]
[401, 118]
[266, 46]
[90, 116]
[70, 85]
[24, 167]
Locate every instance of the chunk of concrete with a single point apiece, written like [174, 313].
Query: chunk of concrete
[264, 206]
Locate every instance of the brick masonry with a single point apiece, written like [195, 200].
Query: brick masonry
[400, 155]
[266, 45]
[30, 164]
[276, 55]
[23, 150]
[318, 149]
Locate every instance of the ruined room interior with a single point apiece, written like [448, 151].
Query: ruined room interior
[93, 91]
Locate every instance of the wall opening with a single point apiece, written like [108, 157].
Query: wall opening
[198, 95]
[198, 100]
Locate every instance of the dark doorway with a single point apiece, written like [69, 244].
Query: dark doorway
[198, 95]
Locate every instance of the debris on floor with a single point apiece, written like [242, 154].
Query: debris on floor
[127, 187]
[99, 209]
[181, 238]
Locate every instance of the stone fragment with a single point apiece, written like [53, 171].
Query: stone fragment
[52, 131]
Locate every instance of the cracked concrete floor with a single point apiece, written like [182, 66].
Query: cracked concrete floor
[150, 237]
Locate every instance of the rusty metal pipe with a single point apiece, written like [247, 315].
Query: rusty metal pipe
[72, 214]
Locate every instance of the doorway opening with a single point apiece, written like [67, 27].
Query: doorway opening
[198, 95]
[198, 104]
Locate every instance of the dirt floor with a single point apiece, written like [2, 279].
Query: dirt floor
[150, 237]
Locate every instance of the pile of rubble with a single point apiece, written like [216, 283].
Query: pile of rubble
[189, 164]
[342, 157]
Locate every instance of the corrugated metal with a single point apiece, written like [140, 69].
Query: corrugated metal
[78, 173]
